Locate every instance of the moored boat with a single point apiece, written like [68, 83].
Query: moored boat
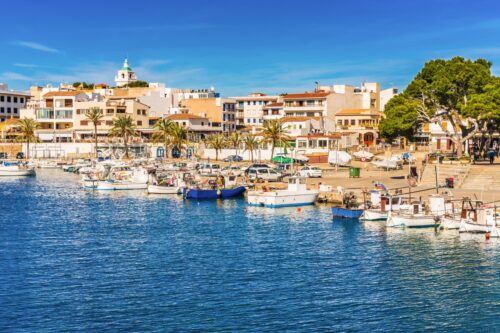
[340, 212]
[215, 187]
[15, 169]
[297, 194]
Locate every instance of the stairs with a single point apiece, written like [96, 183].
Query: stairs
[482, 177]
[457, 171]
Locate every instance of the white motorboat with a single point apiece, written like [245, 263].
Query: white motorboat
[387, 164]
[166, 185]
[49, 164]
[15, 169]
[363, 156]
[338, 157]
[297, 194]
[118, 178]
[483, 220]
[418, 216]
[380, 205]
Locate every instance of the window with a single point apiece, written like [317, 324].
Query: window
[353, 122]
[15, 110]
[84, 122]
[183, 123]
[2, 98]
[322, 143]
[139, 122]
[15, 99]
[302, 144]
[254, 120]
[373, 102]
[138, 112]
[8, 110]
[120, 110]
[310, 103]
[78, 111]
[8, 98]
[248, 120]
[110, 111]
[68, 103]
[346, 122]
[109, 122]
[21, 100]
[202, 123]
[2, 109]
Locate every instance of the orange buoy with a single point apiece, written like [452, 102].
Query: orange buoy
[487, 235]
[299, 209]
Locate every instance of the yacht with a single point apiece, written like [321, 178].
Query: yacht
[15, 169]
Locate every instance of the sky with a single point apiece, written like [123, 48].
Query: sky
[242, 46]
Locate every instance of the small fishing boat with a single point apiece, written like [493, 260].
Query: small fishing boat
[419, 215]
[339, 212]
[482, 220]
[216, 187]
[297, 194]
[363, 156]
[117, 178]
[15, 169]
[167, 184]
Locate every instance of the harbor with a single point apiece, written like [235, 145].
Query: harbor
[162, 261]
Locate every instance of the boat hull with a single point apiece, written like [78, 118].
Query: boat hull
[119, 186]
[17, 173]
[450, 223]
[467, 227]
[155, 189]
[411, 221]
[374, 215]
[281, 199]
[214, 194]
[339, 212]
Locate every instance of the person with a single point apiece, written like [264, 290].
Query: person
[476, 156]
[491, 155]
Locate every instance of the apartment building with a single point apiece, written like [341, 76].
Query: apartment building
[250, 109]
[272, 111]
[198, 127]
[220, 111]
[11, 102]
[365, 122]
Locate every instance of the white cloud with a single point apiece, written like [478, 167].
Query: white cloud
[12, 76]
[36, 46]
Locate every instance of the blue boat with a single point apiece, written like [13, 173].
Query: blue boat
[347, 213]
[226, 193]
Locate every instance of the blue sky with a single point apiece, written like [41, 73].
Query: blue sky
[242, 46]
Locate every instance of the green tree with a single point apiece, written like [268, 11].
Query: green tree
[27, 128]
[179, 136]
[235, 140]
[275, 134]
[250, 143]
[138, 84]
[163, 133]
[94, 114]
[401, 114]
[123, 127]
[217, 142]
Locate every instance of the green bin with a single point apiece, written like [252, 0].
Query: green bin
[354, 172]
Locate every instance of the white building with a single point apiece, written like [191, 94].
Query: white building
[11, 102]
[250, 109]
[125, 75]
[386, 95]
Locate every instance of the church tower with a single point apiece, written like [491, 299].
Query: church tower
[125, 75]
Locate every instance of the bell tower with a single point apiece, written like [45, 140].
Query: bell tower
[125, 75]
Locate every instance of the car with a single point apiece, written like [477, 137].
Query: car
[233, 158]
[309, 171]
[3, 155]
[285, 169]
[257, 165]
[231, 170]
[264, 174]
[208, 169]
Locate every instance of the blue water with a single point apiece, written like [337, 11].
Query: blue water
[74, 260]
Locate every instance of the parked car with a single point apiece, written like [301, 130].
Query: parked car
[257, 165]
[310, 171]
[233, 158]
[285, 169]
[3, 155]
[231, 170]
[262, 174]
[208, 169]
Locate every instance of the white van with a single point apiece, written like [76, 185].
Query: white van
[264, 174]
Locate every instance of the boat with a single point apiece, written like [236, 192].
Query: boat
[49, 164]
[363, 156]
[215, 187]
[387, 163]
[419, 215]
[296, 194]
[167, 184]
[381, 203]
[339, 212]
[341, 158]
[15, 169]
[482, 220]
[117, 178]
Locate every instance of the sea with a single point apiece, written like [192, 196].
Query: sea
[78, 260]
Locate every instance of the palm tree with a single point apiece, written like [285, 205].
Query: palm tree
[179, 136]
[123, 127]
[163, 133]
[217, 142]
[250, 142]
[27, 128]
[235, 140]
[275, 134]
[94, 114]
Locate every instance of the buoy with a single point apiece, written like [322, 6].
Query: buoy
[487, 235]
[299, 209]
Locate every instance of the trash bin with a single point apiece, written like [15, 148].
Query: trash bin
[354, 172]
[450, 182]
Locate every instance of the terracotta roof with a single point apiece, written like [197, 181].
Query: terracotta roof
[292, 119]
[357, 112]
[273, 105]
[184, 116]
[319, 135]
[63, 93]
[306, 95]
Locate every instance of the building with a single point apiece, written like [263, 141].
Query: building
[198, 127]
[125, 75]
[11, 102]
[365, 122]
[220, 111]
[272, 111]
[308, 104]
[250, 109]
[386, 95]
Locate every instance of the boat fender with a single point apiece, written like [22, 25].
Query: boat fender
[219, 193]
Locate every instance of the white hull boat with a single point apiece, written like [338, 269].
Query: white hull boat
[374, 215]
[158, 189]
[450, 222]
[115, 185]
[296, 195]
[483, 221]
[475, 228]
[407, 220]
[15, 170]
